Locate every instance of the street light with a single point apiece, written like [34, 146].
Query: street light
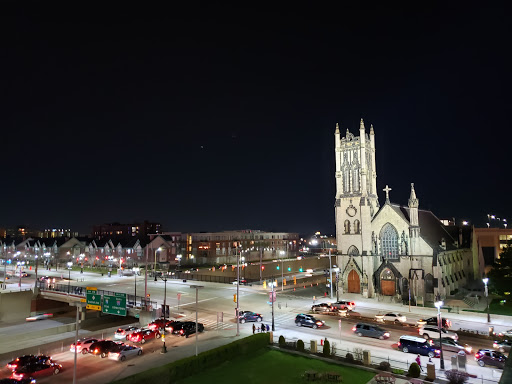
[238, 255]
[135, 272]
[438, 305]
[154, 269]
[79, 306]
[197, 287]
[486, 280]
[69, 275]
[164, 349]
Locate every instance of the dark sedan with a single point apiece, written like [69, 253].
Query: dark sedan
[244, 316]
[36, 370]
[489, 357]
[446, 324]
[27, 360]
[453, 346]
[190, 328]
[103, 347]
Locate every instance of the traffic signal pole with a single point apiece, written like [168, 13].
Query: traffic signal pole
[238, 255]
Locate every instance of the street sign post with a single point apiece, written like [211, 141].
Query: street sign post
[93, 299]
[115, 304]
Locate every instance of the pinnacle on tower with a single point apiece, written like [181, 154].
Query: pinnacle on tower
[361, 124]
[371, 130]
[337, 128]
[413, 200]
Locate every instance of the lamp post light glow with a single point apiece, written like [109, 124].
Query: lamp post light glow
[69, 275]
[438, 305]
[135, 272]
[486, 280]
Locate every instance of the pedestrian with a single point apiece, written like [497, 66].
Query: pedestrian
[262, 327]
[253, 329]
[268, 328]
[418, 360]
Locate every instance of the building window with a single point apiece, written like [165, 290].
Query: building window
[347, 227]
[429, 283]
[389, 241]
[353, 251]
[357, 227]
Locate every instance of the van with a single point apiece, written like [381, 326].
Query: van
[370, 330]
[417, 345]
[344, 305]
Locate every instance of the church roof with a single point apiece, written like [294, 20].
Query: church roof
[431, 228]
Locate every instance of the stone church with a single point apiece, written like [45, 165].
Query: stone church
[391, 249]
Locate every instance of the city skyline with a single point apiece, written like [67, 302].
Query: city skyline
[224, 119]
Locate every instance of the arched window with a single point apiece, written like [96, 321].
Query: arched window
[355, 180]
[347, 227]
[429, 283]
[346, 180]
[353, 251]
[387, 275]
[357, 226]
[389, 241]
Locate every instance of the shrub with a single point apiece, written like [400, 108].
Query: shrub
[456, 377]
[282, 342]
[414, 370]
[327, 349]
[349, 357]
[398, 371]
[384, 366]
[300, 346]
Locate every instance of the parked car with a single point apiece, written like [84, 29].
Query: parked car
[322, 307]
[123, 333]
[453, 346]
[244, 316]
[489, 357]
[83, 345]
[159, 324]
[433, 321]
[502, 346]
[431, 332]
[303, 320]
[417, 345]
[48, 279]
[242, 282]
[190, 328]
[370, 330]
[392, 317]
[344, 304]
[40, 316]
[37, 370]
[103, 347]
[125, 352]
[506, 333]
[27, 360]
[142, 335]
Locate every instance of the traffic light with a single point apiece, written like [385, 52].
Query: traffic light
[262, 267]
[284, 281]
[277, 267]
[234, 297]
[294, 280]
[300, 269]
[289, 269]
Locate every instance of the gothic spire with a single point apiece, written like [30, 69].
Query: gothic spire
[361, 124]
[371, 130]
[413, 200]
[387, 189]
[337, 128]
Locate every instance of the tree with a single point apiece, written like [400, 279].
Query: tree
[501, 272]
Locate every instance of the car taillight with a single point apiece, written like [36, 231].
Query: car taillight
[319, 323]
[437, 351]
[181, 332]
[353, 329]
[398, 344]
[386, 334]
[96, 350]
[494, 345]
[477, 355]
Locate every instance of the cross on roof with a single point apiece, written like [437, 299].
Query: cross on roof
[387, 189]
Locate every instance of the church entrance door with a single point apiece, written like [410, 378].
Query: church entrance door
[354, 284]
[387, 287]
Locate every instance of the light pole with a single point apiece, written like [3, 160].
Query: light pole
[135, 272]
[330, 271]
[238, 255]
[197, 287]
[486, 280]
[69, 275]
[164, 348]
[78, 305]
[438, 305]
[154, 269]
[272, 299]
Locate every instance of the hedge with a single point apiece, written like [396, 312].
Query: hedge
[188, 366]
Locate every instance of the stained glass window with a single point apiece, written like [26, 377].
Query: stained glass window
[389, 241]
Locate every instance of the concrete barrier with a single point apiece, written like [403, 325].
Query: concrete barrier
[15, 305]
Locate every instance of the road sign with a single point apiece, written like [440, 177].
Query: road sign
[115, 304]
[93, 299]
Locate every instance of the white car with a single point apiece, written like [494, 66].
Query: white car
[41, 316]
[392, 317]
[123, 333]
[124, 352]
[506, 333]
[83, 345]
[432, 332]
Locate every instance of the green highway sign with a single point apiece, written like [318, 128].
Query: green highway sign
[93, 299]
[115, 304]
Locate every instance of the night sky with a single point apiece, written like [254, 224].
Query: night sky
[216, 118]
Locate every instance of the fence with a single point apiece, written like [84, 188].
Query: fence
[396, 366]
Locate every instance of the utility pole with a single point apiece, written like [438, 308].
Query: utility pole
[238, 255]
[330, 271]
[273, 325]
[261, 264]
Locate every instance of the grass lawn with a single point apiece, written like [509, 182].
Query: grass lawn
[496, 308]
[270, 366]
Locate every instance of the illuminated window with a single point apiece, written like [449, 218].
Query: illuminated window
[389, 241]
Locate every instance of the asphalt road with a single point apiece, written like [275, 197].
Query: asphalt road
[216, 310]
